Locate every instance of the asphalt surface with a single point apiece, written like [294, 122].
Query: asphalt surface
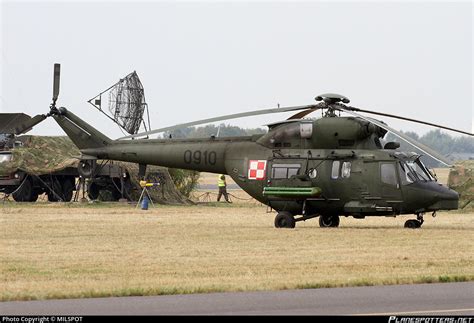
[423, 299]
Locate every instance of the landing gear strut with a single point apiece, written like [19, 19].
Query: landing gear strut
[415, 224]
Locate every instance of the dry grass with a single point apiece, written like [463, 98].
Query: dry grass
[56, 251]
[211, 179]
[442, 174]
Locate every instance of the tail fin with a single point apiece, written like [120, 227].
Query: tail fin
[80, 132]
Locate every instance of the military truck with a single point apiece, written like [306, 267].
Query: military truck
[34, 165]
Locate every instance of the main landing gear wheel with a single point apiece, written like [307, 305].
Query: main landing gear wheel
[285, 220]
[329, 221]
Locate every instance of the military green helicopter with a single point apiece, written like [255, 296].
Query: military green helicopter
[329, 167]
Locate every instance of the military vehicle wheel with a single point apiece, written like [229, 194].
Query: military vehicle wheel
[86, 168]
[412, 224]
[93, 191]
[284, 220]
[56, 187]
[329, 221]
[34, 196]
[26, 192]
[116, 195]
[68, 188]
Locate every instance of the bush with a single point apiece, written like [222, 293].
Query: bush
[185, 180]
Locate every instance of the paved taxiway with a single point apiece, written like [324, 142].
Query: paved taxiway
[420, 299]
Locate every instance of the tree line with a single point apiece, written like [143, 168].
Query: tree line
[207, 131]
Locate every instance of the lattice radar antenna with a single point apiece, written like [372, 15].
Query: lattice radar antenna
[126, 104]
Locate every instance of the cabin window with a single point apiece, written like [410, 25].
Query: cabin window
[335, 169]
[388, 174]
[283, 171]
[346, 170]
[306, 130]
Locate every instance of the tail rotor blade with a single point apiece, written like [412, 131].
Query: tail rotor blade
[56, 77]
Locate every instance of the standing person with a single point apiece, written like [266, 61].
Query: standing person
[222, 188]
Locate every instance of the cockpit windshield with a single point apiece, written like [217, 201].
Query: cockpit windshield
[413, 171]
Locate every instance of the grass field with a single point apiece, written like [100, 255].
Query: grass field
[64, 251]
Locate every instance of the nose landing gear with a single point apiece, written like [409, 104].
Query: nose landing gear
[415, 224]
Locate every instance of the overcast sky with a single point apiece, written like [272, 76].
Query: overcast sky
[203, 59]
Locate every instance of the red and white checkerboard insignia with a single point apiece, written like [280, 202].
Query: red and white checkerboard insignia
[257, 169]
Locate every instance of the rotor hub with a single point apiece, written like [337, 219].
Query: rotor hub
[331, 98]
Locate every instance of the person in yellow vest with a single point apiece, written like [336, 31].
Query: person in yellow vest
[222, 188]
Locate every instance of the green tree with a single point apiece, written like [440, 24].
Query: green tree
[185, 180]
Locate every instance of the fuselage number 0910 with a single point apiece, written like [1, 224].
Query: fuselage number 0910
[200, 157]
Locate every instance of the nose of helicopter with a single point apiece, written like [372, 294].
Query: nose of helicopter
[446, 199]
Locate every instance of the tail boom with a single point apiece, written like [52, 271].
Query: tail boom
[82, 134]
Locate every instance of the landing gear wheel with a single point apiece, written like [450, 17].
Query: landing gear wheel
[34, 196]
[25, 193]
[116, 195]
[93, 191]
[413, 224]
[115, 191]
[284, 220]
[55, 196]
[329, 221]
[68, 188]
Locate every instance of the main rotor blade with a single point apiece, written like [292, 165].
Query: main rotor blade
[427, 150]
[10, 121]
[408, 119]
[304, 113]
[28, 124]
[226, 117]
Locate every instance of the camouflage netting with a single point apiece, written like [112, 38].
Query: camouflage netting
[44, 155]
[461, 179]
[165, 194]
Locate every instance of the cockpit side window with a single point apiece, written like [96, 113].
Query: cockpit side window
[420, 171]
[406, 176]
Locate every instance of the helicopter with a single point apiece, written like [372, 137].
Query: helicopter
[329, 167]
